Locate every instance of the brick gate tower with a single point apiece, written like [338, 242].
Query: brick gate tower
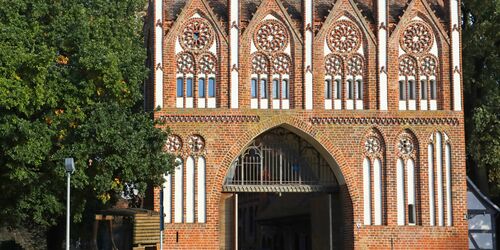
[310, 124]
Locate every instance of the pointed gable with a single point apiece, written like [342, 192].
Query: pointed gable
[419, 9]
[276, 9]
[348, 9]
[202, 8]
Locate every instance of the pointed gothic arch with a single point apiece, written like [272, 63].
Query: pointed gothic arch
[338, 190]
[419, 33]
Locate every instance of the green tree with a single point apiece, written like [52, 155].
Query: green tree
[481, 64]
[70, 86]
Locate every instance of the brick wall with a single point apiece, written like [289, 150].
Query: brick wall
[338, 134]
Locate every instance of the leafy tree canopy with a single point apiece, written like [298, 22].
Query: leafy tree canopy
[70, 83]
[481, 64]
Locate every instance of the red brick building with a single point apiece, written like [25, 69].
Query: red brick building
[310, 124]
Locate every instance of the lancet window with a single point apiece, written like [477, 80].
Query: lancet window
[271, 66]
[184, 193]
[407, 180]
[373, 182]
[196, 73]
[344, 66]
[440, 168]
[418, 66]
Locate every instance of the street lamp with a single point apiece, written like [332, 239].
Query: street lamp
[69, 164]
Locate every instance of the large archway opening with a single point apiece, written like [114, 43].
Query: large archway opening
[281, 193]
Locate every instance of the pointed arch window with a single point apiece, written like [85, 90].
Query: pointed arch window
[407, 180]
[271, 66]
[439, 160]
[260, 74]
[407, 77]
[189, 184]
[418, 76]
[374, 151]
[344, 66]
[198, 51]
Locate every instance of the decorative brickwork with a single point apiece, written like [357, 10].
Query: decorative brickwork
[392, 193]
[417, 38]
[271, 37]
[206, 118]
[344, 37]
[385, 121]
[197, 35]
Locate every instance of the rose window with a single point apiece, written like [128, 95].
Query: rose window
[207, 64]
[185, 63]
[407, 66]
[417, 38]
[271, 37]
[428, 65]
[333, 65]
[174, 143]
[344, 37]
[281, 64]
[196, 143]
[355, 65]
[197, 34]
[372, 145]
[259, 64]
[405, 146]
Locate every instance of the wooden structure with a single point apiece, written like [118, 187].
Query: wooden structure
[139, 227]
[482, 217]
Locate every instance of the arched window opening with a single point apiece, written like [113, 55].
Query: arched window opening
[407, 180]
[180, 87]
[418, 67]
[211, 87]
[189, 87]
[271, 65]
[201, 87]
[333, 73]
[254, 88]
[359, 88]
[367, 199]
[197, 50]
[328, 89]
[407, 77]
[440, 179]
[374, 151]
[284, 89]
[179, 194]
[345, 62]
[260, 71]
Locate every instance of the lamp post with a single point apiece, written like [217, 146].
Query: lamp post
[162, 215]
[69, 164]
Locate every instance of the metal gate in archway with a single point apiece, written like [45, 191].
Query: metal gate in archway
[280, 161]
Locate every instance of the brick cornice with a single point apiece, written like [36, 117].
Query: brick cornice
[384, 121]
[209, 118]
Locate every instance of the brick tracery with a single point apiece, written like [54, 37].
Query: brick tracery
[281, 64]
[417, 67]
[344, 37]
[271, 36]
[207, 64]
[333, 64]
[197, 65]
[417, 38]
[344, 66]
[271, 69]
[197, 34]
[185, 63]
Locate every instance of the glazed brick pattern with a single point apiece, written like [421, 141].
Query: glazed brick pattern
[337, 134]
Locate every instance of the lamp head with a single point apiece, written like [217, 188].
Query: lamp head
[69, 164]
